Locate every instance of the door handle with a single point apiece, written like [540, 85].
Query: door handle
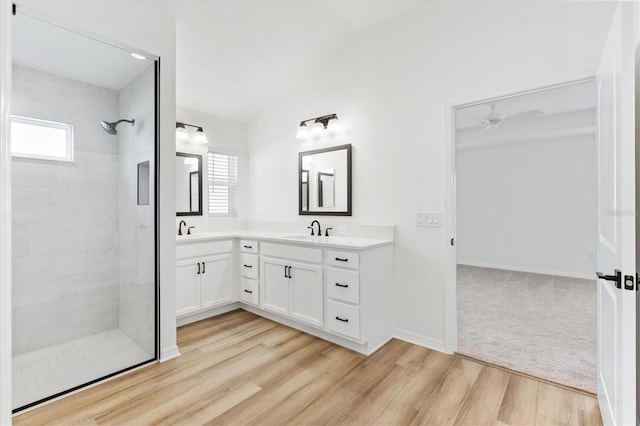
[285, 272]
[203, 268]
[289, 272]
[198, 268]
[617, 277]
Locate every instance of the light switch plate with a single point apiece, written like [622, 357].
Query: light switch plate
[429, 219]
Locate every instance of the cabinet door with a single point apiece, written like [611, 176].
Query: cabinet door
[187, 287]
[216, 280]
[307, 298]
[275, 286]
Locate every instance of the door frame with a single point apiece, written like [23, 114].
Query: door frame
[449, 161]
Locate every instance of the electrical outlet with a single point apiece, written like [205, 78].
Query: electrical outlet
[591, 257]
[429, 219]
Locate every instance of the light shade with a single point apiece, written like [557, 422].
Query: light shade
[181, 133]
[317, 129]
[200, 137]
[333, 126]
[303, 131]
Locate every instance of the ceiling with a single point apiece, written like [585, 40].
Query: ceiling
[575, 97]
[235, 57]
[47, 47]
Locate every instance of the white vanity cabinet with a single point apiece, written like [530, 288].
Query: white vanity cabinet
[249, 272]
[204, 276]
[291, 284]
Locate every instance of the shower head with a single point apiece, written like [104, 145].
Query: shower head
[111, 127]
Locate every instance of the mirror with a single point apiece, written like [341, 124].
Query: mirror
[324, 177]
[188, 184]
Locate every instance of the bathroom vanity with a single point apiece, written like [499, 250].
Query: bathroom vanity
[335, 288]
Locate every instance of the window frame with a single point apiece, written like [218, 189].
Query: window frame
[69, 144]
[232, 208]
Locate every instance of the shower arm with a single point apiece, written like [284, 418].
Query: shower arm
[132, 122]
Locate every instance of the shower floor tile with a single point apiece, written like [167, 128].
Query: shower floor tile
[45, 372]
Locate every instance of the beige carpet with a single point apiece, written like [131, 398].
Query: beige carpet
[542, 325]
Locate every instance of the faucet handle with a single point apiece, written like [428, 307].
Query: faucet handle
[326, 232]
[311, 227]
[189, 230]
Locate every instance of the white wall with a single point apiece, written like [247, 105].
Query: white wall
[528, 205]
[136, 25]
[65, 221]
[389, 87]
[5, 215]
[226, 136]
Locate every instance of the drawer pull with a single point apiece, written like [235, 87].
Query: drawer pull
[248, 266]
[339, 259]
[342, 285]
[249, 247]
[342, 319]
[248, 291]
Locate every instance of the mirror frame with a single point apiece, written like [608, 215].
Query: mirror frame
[347, 148]
[199, 158]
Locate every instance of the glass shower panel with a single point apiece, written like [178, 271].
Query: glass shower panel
[84, 248]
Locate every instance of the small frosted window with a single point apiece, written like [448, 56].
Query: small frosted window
[40, 139]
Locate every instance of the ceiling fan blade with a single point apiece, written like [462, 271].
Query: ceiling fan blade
[527, 115]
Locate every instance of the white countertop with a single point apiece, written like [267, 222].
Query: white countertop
[357, 243]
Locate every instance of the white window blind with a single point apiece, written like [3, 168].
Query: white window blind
[41, 139]
[222, 171]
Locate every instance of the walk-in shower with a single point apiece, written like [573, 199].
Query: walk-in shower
[84, 241]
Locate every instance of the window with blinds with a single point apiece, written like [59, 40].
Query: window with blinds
[222, 171]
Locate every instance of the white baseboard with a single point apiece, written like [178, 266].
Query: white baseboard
[198, 316]
[418, 339]
[530, 270]
[169, 353]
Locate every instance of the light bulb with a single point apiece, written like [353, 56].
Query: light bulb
[181, 133]
[200, 137]
[333, 127]
[317, 129]
[303, 131]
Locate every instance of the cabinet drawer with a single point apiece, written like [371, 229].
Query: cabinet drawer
[249, 291]
[343, 285]
[343, 319]
[343, 259]
[249, 265]
[249, 246]
[187, 250]
[305, 254]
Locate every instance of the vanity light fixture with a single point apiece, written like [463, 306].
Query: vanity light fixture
[182, 135]
[326, 123]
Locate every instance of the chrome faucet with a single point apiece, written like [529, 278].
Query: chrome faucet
[182, 222]
[319, 229]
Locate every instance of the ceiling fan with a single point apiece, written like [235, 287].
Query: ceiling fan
[494, 119]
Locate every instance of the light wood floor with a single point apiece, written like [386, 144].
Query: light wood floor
[242, 369]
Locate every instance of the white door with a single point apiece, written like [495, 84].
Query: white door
[616, 221]
[307, 297]
[275, 285]
[216, 281]
[187, 286]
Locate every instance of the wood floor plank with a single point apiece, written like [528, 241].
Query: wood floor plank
[519, 406]
[483, 403]
[241, 369]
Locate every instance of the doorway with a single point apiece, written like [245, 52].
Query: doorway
[525, 179]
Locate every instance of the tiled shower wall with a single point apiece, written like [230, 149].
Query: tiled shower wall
[65, 217]
[137, 243]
